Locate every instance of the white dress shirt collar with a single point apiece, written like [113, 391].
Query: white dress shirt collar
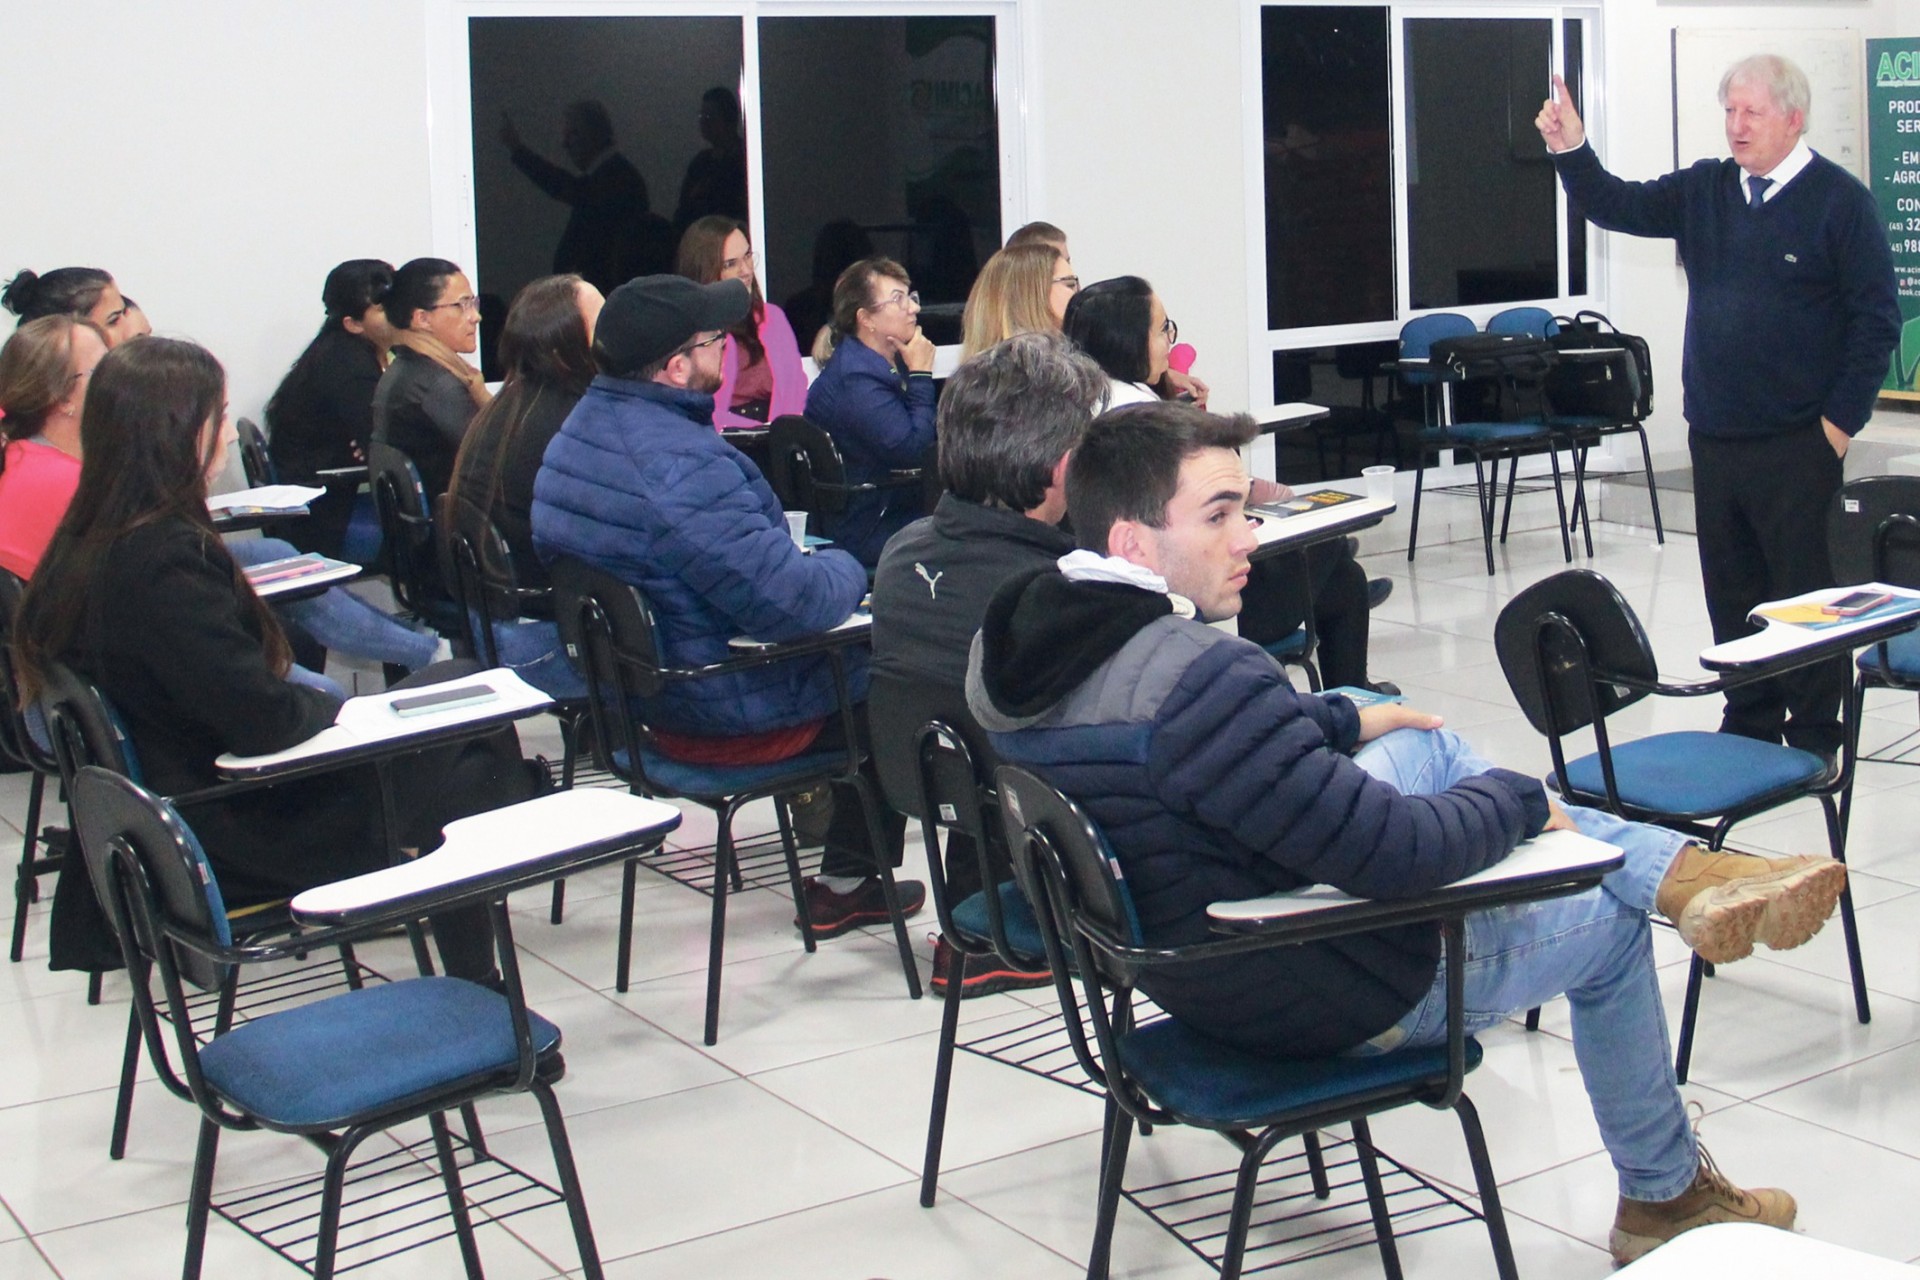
[1786, 171]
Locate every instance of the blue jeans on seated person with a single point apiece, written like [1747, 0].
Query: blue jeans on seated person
[339, 619]
[531, 649]
[1596, 947]
[297, 674]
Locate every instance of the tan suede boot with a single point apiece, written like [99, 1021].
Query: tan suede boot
[1724, 902]
[1643, 1225]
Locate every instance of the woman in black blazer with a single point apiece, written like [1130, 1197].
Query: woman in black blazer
[138, 594]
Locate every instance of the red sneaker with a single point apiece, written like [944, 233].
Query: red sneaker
[985, 974]
[836, 913]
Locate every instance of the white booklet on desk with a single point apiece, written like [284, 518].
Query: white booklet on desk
[1545, 854]
[266, 498]
[370, 719]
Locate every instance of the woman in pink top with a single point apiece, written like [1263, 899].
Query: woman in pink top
[760, 377]
[44, 370]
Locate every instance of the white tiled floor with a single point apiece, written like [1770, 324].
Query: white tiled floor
[792, 1148]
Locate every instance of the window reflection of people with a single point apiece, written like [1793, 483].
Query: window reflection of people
[606, 237]
[838, 245]
[716, 181]
[761, 378]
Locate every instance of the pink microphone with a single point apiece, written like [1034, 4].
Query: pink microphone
[1181, 358]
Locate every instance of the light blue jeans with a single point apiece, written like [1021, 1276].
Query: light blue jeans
[341, 620]
[1596, 947]
[532, 649]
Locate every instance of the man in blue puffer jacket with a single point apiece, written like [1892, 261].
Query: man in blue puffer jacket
[1213, 779]
[638, 483]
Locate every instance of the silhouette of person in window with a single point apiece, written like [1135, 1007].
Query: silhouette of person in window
[716, 180]
[612, 234]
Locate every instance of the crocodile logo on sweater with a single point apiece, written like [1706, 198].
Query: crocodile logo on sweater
[933, 580]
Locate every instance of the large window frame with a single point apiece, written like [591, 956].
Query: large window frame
[1263, 341]
[450, 123]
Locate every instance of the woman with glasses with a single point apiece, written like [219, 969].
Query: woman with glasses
[429, 394]
[875, 397]
[760, 375]
[1123, 326]
[1021, 289]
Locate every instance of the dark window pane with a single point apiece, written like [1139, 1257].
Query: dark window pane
[1481, 211]
[565, 201]
[1328, 138]
[880, 135]
[1573, 38]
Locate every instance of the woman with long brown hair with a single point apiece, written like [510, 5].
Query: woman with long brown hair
[137, 594]
[547, 349]
[1021, 289]
[760, 373]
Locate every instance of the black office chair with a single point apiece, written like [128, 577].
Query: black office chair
[609, 632]
[1873, 534]
[255, 462]
[1164, 1073]
[342, 1069]
[406, 533]
[42, 850]
[806, 472]
[486, 590]
[935, 766]
[1574, 653]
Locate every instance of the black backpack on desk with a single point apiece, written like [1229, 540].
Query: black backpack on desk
[1620, 390]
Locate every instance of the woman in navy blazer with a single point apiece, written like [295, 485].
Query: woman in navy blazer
[875, 397]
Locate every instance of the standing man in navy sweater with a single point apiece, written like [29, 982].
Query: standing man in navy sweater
[1791, 317]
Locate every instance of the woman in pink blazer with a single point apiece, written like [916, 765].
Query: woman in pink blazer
[761, 377]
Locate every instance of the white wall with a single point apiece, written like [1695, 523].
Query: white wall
[219, 156]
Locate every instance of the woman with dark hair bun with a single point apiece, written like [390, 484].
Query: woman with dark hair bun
[139, 595]
[428, 395]
[85, 293]
[547, 349]
[760, 373]
[322, 415]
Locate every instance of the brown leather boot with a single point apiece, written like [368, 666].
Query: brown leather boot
[1643, 1225]
[1725, 902]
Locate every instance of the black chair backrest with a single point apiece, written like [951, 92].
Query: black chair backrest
[804, 467]
[406, 524]
[85, 728]
[117, 818]
[607, 628]
[898, 708]
[255, 461]
[1554, 634]
[1045, 825]
[15, 741]
[478, 565]
[1873, 531]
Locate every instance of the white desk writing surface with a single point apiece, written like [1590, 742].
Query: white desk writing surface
[329, 572]
[1313, 526]
[369, 722]
[267, 497]
[857, 621]
[1754, 1252]
[519, 835]
[1549, 854]
[1782, 638]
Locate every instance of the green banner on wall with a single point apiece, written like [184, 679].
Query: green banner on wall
[1893, 158]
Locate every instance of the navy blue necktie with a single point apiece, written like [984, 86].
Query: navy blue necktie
[1757, 191]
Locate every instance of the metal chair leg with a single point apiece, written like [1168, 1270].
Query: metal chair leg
[1856, 968]
[717, 936]
[1489, 1188]
[200, 1197]
[623, 951]
[570, 1188]
[1377, 1200]
[1653, 494]
[795, 881]
[942, 1078]
[1113, 1168]
[876, 839]
[1689, 1011]
[1316, 1165]
[456, 1197]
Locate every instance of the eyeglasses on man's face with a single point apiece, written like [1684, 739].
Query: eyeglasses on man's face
[692, 347]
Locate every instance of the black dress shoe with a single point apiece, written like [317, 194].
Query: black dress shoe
[1378, 589]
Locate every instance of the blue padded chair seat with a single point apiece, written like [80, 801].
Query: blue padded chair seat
[1202, 1080]
[1292, 646]
[1486, 432]
[321, 1065]
[1697, 773]
[1584, 421]
[1903, 658]
[1023, 931]
[698, 780]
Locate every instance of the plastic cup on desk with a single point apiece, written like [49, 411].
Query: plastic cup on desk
[1379, 483]
[797, 528]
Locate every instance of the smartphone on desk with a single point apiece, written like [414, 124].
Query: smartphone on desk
[1855, 603]
[464, 695]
